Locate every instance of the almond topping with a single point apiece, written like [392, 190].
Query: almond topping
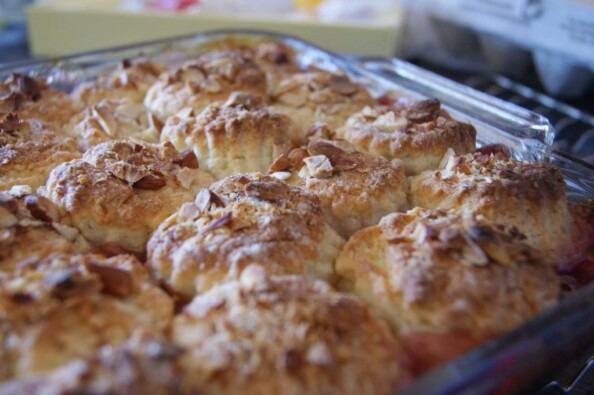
[342, 85]
[280, 164]
[217, 223]
[296, 157]
[424, 111]
[187, 158]
[319, 166]
[41, 208]
[266, 190]
[150, 182]
[203, 199]
[115, 281]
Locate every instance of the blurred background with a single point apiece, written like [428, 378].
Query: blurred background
[536, 53]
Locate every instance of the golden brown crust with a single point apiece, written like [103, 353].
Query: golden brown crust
[120, 191]
[240, 135]
[33, 99]
[28, 151]
[213, 76]
[319, 96]
[285, 334]
[144, 365]
[418, 133]
[128, 81]
[355, 189]
[241, 220]
[529, 196]
[439, 272]
[114, 119]
[31, 229]
[67, 306]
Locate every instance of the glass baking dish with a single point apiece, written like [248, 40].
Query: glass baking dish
[510, 363]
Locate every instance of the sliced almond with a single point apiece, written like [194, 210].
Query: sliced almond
[296, 157]
[115, 281]
[217, 223]
[187, 158]
[342, 85]
[280, 164]
[319, 166]
[319, 131]
[270, 191]
[202, 200]
[151, 182]
[424, 111]
[41, 208]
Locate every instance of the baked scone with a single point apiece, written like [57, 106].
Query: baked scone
[285, 334]
[240, 220]
[212, 76]
[278, 61]
[446, 281]
[129, 80]
[529, 196]
[143, 365]
[114, 119]
[33, 99]
[238, 136]
[354, 188]
[120, 191]
[31, 229]
[319, 96]
[29, 151]
[67, 306]
[417, 133]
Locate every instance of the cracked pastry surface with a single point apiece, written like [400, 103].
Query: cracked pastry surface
[33, 100]
[31, 229]
[319, 96]
[120, 191]
[212, 76]
[238, 136]
[29, 151]
[268, 334]
[418, 133]
[67, 306]
[529, 196]
[143, 365]
[446, 281]
[240, 220]
[129, 81]
[114, 119]
[355, 189]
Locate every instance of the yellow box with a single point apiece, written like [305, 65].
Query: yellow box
[60, 27]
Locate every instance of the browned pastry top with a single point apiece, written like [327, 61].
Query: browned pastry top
[356, 189]
[128, 80]
[437, 271]
[32, 99]
[241, 220]
[419, 133]
[270, 334]
[211, 76]
[31, 228]
[67, 306]
[120, 191]
[28, 151]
